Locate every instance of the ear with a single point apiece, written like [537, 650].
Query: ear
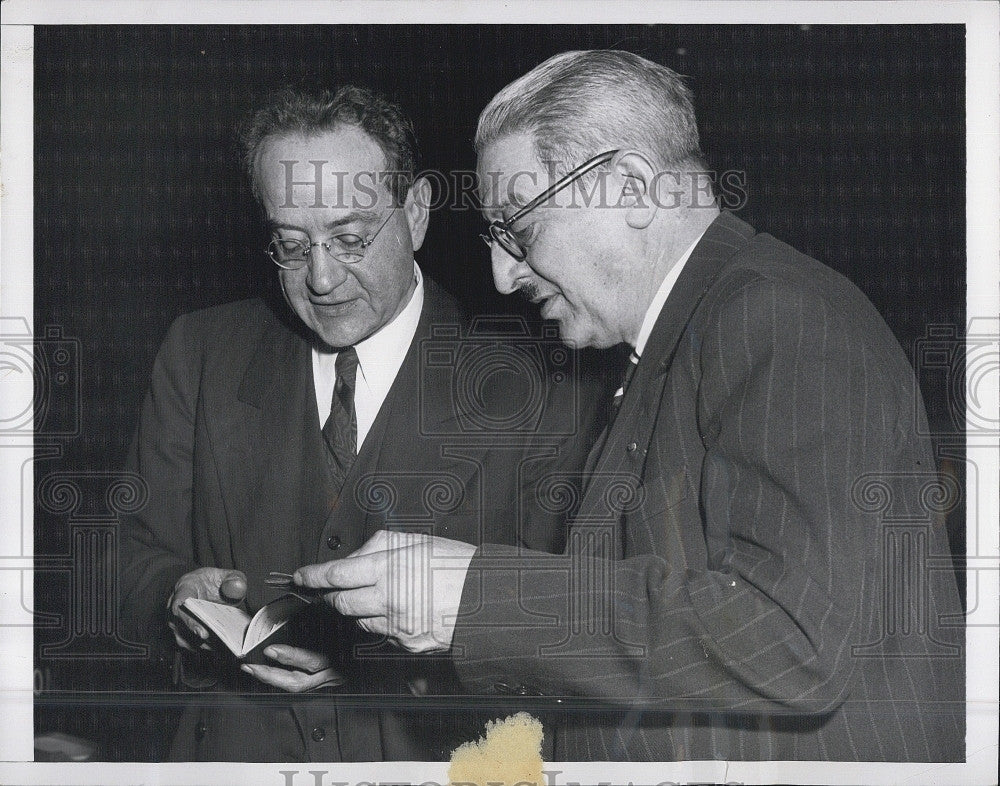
[417, 210]
[637, 177]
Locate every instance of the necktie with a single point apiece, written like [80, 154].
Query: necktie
[616, 402]
[613, 407]
[341, 428]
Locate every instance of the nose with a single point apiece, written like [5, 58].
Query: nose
[325, 272]
[507, 271]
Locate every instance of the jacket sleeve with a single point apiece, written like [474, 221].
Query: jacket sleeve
[793, 405]
[156, 543]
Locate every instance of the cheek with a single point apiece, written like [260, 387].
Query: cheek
[577, 265]
[292, 285]
[386, 286]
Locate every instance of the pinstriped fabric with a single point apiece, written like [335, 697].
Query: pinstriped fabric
[743, 543]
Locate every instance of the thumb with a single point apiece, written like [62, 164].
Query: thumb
[233, 587]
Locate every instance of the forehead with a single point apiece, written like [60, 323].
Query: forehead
[342, 162]
[509, 171]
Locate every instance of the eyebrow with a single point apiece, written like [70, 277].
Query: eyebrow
[336, 223]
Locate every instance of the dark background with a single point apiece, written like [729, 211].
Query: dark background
[852, 139]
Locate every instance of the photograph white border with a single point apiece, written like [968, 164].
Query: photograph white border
[982, 20]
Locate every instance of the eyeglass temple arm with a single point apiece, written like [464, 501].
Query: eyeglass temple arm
[561, 183]
[369, 241]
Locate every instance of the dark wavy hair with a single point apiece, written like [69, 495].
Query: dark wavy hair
[291, 111]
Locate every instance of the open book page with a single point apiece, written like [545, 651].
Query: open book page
[270, 619]
[229, 623]
[236, 629]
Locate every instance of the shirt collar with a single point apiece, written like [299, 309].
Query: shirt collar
[655, 307]
[381, 354]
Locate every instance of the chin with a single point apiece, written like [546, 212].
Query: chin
[579, 336]
[340, 336]
[570, 335]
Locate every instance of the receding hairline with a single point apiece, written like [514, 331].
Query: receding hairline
[289, 111]
[306, 134]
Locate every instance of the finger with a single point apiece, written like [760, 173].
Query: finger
[346, 573]
[297, 658]
[187, 639]
[377, 625]
[190, 623]
[183, 643]
[362, 602]
[177, 600]
[293, 681]
[233, 587]
[380, 541]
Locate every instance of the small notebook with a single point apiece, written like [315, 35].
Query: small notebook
[240, 632]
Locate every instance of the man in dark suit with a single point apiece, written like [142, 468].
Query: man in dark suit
[273, 437]
[737, 582]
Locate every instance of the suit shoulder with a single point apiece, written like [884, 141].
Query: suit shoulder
[770, 283]
[236, 314]
[769, 267]
[221, 335]
[225, 323]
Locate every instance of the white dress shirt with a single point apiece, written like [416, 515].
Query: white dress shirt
[379, 359]
[656, 306]
[660, 298]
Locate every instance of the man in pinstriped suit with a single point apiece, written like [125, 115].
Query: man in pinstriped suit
[749, 573]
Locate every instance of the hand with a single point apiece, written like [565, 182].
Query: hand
[402, 585]
[308, 670]
[217, 584]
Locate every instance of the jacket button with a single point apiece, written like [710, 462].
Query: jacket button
[631, 447]
[318, 734]
[199, 730]
[503, 688]
[333, 542]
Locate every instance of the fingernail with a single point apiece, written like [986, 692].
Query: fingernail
[270, 652]
[297, 577]
[246, 668]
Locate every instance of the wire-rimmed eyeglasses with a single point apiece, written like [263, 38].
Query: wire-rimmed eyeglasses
[293, 253]
[499, 231]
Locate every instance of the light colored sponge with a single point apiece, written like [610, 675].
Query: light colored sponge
[509, 754]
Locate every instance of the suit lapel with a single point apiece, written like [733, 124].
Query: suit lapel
[400, 443]
[621, 456]
[282, 480]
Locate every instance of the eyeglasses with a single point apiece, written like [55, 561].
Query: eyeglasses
[293, 253]
[499, 231]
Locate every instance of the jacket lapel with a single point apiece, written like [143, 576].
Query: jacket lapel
[621, 458]
[281, 481]
[401, 443]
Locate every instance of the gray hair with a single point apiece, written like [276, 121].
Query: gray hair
[578, 104]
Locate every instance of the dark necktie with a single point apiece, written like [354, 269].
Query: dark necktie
[341, 428]
[616, 402]
[613, 407]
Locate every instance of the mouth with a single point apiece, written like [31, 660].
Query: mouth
[548, 305]
[531, 292]
[333, 309]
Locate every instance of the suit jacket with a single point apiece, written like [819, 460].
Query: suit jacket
[230, 447]
[759, 567]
